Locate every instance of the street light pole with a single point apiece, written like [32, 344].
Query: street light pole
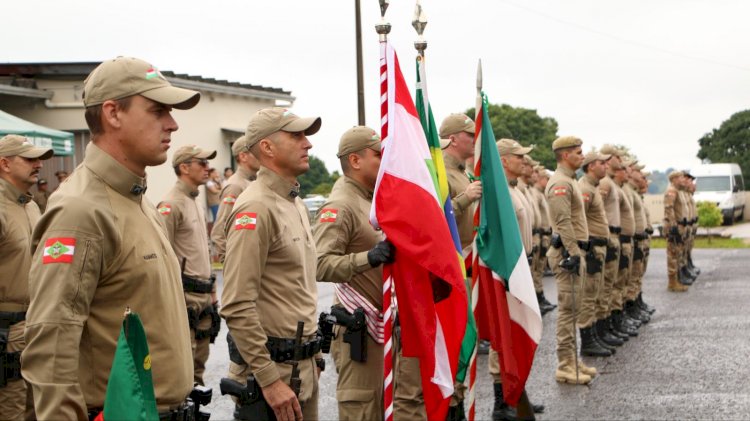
[360, 78]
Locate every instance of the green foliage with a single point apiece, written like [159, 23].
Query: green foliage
[316, 178]
[527, 127]
[709, 215]
[729, 143]
[703, 243]
[323, 189]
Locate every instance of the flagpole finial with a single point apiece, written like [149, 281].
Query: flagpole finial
[419, 22]
[383, 28]
[479, 76]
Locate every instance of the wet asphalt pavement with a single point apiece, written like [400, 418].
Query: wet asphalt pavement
[690, 362]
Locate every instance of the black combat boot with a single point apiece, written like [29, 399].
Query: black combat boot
[589, 346]
[456, 413]
[501, 411]
[635, 313]
[484, 347]
[644, 305]
[612, 326]
[598, 340]
[685, 277]
[694, 268]
[605, 336]
[544, 305]
[622, 325]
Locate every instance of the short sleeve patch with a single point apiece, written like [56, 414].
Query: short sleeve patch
[328, 215]
[229, 199]
[559, 191]
[586, 197]
[670, 193]
[164, 209]
[245, 221]
[59, 250]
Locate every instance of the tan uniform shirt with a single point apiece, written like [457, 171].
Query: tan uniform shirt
[627, 219]
[611, 200]
[681, 206]
[41, 199]
[235, 185]
[343, 236]
[566, 210]
[101, 247]
[269, 274]
[690, 205]
[463, 208]
[639, 215]
[18, 215]
[673, 207]
[593, 206]
[541, 202]
[536, 221]
[186, 230]
[523, 216]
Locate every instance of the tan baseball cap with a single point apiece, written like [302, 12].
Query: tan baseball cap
[444, 143]
[239, 145]
[358, 138]
[511, 147]
[566, 142]
[187, 152]
[127, 76]
[611, 150]
[268, 121]
[456, 123]
[594, 156]
[529, 160]
[675, 174]
[16, 145]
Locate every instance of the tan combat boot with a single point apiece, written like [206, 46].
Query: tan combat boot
[675, 286]
[583, 368]
[566, 373]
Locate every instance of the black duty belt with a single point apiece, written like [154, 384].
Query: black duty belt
[535, 231]
[584, 245]
[625, 238]
[683, 222]
[283, 349]
[548, 231]
[640, 236]
[598, 241]
[185, 412]
[614, 230]
[12, 317]
[194, 285]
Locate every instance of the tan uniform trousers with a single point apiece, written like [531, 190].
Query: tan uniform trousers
[593, 285]
[359, 390]
[493, 365]
[197, 303]
[674, 254]
[646, 254]
[408, 401]
[687, 239]
[620, 288]
[239, 374]
[636, 273]
[568, 302]
[604, 304]
[537, 262]
[13, 397]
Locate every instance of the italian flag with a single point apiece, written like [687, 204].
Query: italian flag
[59, 250]
[426, 274]
[507, 312]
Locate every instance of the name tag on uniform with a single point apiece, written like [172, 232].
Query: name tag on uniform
[59, 250]
[245, 221]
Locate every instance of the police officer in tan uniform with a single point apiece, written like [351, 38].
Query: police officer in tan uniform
[691, 230]
[569, 247]
[623, 322]
[674, 209]
[186, 230]
[636, 268]
[41, 196]
[270, 268]
[592, 295]
[101, 247]
[20, 162]
[643, 189]
[526, 184]
[351, 253]
[545, 235]
[247, 170]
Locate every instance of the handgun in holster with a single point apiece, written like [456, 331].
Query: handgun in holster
[201, 396]
[326, 322]
[10, 362]
[356, 331]
[251, 405]
[611, 254]
[637, 253]
[593, 264]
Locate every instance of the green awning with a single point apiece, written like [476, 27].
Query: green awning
[61, 142]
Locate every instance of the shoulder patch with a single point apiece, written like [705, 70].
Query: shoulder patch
[586, 197]
[245, 221]
[229, 199]
[164, 209]
[559, 191]
[329, 215]
[59, 250]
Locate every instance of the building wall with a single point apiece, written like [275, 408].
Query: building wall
[210, 125]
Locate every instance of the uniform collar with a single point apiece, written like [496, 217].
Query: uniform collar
[453, 162]
[278, 184]
[565, 171]
[513, 183]
[521, 184]
[12, 194]
[245, 174]
[591, 179]
[360, 189]
[187, 190]
[113, 173]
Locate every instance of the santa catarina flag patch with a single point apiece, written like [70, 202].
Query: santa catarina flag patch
[164, 209]
[230, 199]
[559, 191]
[328, 215]
[245, 221]
[59, 250]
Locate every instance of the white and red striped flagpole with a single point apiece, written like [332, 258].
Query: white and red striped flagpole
[383, 28]
[474, 255]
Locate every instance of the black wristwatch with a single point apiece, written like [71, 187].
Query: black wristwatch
[321, 363]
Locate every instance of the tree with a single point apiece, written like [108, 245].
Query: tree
[709, 216]
[316, 175]
[729, 143]
[527, 127]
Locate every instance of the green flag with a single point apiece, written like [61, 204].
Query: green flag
[130, 390]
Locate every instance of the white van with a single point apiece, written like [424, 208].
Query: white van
[723, 185]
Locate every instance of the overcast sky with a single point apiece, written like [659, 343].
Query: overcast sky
[651, 74]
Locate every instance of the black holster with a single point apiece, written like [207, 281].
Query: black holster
[251, 404]
[10, 362]
[593, 264]
[637, 253]
[624, 261]
[326, 322]
[356, 331]
[194, 319]
[611, 254]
